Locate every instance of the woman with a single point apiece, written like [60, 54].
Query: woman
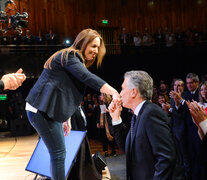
[104, 124]
[59, 91]
[203, 95]
[163, 102]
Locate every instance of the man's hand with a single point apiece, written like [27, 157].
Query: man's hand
[115, 110]
[14, 80]
[176, 96]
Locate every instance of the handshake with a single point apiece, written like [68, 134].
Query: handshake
[13, 80]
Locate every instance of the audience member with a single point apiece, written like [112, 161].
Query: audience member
[195, 146]
[16, 38]
[5, 39]
[163, 101]
[40, 39]
[105, 124]
[179, 125]
[51, 38]
[28, 39]
[123, 41]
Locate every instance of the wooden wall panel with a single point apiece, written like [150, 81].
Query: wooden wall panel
[68, 17]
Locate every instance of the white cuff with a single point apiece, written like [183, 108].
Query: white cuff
[30, 108]
[103, 108]
[116, 122]
[203, 126]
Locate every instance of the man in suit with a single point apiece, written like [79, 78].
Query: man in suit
[179, 126]
[12, 81]
[149, 145]
[195, 146]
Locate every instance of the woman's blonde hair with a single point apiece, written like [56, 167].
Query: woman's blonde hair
[108, 98]
[79, 46]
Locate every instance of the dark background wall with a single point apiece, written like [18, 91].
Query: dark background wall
[164, 65]
[68, 17]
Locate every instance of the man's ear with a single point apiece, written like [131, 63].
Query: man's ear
[134, 93]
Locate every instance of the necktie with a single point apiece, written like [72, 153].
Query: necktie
[132, 126]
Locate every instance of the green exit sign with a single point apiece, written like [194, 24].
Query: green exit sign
[3, 97]
[104, 21]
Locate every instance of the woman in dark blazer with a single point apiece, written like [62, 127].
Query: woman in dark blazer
[59, 91]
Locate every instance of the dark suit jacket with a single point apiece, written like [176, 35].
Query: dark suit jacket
[188, 96]
[180, 132]
[59, 91]
[152, 155]
[196, 147]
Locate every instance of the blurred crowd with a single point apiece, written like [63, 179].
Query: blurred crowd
[51, 38]
[163, 38]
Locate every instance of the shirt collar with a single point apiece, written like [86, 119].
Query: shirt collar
[193, 92]
[139, 106]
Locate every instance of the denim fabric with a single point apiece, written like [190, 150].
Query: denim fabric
[52, 134]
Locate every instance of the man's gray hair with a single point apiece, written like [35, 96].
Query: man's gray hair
[142, 81]
[193, 76]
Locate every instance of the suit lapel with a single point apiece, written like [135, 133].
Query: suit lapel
[137, 122]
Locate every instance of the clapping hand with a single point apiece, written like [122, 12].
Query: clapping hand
[13, 80]
[197, 112]
[176, 96]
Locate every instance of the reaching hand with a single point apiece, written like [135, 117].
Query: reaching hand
[116, 98]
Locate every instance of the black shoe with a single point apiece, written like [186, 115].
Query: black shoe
[106, 154]
[113, 153]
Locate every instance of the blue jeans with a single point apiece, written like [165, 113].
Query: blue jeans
[52, 134]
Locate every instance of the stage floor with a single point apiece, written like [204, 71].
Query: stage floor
[15, 153]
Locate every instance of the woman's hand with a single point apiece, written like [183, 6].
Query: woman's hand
[197, 112]
[109, 136]
[67, 127]
[116, 98]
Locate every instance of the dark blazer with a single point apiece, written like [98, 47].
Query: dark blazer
[180, 132]
[188, 96]
[59, 91]
[152, 155]
[196, 147]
